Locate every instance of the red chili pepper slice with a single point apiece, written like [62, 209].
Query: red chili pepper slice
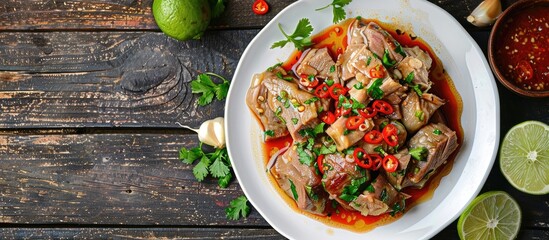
[354, 122]
[308, 81]
[362, 159]
[377, 72]
[260, 7]
[320, 163]
[376, 161]
[327, 117]
[382, 107]
[390, 135]
[390, 163]
[322, 91]
[336, 90]
[368, 112]
[373, 137]
[342, 112]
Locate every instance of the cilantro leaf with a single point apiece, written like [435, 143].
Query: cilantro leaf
[217, 164]
[224, 181]
[238, 208]
[218, 168]
[217, 7]
[419, 153]
[338, 11]
[328, 150]
[200, 170]
[374, 91]
[300, 37]
[203, 84]
[294, 191]
[190, 155]
[304, 157]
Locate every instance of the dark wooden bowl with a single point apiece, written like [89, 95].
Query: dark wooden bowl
[492, 51]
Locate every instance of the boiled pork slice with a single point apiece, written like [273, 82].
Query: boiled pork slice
[256, 99]
[318, 62]
[380, 40]
[339, 172]
[379, 199]
[300, 182]
[439, 141]
[417, 111]
[288, 102]
[416, 65]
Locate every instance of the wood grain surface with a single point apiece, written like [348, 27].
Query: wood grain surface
[91, 94]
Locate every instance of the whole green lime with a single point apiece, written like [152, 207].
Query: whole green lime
[182, 19]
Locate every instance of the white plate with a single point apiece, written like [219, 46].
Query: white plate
[462, 59]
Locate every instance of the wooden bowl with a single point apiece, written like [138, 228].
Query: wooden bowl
[495, 57]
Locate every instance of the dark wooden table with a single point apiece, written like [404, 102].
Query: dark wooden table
[90, 93]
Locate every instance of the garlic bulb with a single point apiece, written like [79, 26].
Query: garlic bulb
[211, 132]
[486, 13]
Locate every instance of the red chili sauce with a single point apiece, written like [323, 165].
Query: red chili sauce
[335, 38]
[523, 49]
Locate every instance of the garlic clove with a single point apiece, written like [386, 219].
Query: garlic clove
[212, 132]
[485, 14]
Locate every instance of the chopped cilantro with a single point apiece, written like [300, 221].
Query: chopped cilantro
[383, 195]
[328, 150]
[271, 68]
[332, 68]
[419, 153]
[386, 60]
[358, 86]
[295, 121]
[437, 132]
[270, 133]
[311, 100]
[294, 191]
[279, 75]
[420, 115]
[329, 82]
[374, 91]
[409, 78]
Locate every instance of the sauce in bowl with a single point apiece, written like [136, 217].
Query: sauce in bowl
[522, 48]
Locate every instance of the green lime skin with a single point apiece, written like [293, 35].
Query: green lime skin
[182, 19]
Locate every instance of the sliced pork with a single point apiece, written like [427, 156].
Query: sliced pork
[319, 63]
[417, 111]
[381, 200]
[435, 143]
[340, 172]
[300, 182]
[287, 101]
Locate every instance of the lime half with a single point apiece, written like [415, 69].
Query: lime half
[492, 215]
[524, 157]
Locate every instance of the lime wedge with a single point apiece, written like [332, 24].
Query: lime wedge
[492, 215]
[524, 157]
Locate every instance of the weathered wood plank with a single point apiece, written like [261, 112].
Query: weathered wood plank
[115, 14]
[133, 179]
[104, 79]
[138, 233]
[137, 14]
[190, 233]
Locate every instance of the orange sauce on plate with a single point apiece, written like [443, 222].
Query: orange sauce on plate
[335, 39]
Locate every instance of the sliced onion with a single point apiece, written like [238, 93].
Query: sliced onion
[294, 67]
[273, 158]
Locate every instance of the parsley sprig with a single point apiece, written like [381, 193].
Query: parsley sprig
[204, 84]
[238, 208]
[339, 12]
[217, 164]
[300, 38]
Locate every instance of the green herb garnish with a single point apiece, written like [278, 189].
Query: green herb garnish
[339, 12]
[203, 84]
[300, 38]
